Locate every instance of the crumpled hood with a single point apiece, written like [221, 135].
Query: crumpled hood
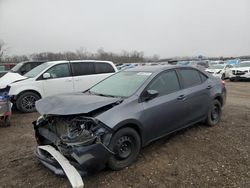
[75, 103]
[10, 77]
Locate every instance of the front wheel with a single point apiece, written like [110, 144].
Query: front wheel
[26, 102]
[126, 145]
[214, 113]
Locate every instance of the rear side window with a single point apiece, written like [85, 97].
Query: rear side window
[103, 68]
[190, 77]
[83, 68]
[165, 83]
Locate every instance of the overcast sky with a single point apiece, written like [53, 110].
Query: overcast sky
[164, 27]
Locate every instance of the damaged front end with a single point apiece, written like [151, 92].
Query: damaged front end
[81, 140]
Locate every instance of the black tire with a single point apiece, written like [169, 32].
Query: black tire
[223, 76]
[232, 79]
[26, 102]
[126, 144]
[214, 113]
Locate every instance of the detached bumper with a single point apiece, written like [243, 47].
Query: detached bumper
[72, 174]
[85, 159]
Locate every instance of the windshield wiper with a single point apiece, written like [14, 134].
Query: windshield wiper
[100, 94]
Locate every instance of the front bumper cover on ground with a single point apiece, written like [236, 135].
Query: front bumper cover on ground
[71, 173]
[86, 159]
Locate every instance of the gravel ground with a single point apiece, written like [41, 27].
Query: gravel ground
[199, 156]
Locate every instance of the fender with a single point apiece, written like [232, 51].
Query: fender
[15, 90]
[133, 123]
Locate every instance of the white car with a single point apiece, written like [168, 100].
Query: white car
[56, 77]
[241, 71]
[220, 70]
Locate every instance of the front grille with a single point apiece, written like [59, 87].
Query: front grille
[238, 72]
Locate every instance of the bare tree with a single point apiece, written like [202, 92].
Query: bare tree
[2, 49]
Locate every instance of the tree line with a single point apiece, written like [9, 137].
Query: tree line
[81, 53]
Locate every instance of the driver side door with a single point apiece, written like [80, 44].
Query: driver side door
[167, 112]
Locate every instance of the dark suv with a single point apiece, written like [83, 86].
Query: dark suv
[109, 123]
[24, 67]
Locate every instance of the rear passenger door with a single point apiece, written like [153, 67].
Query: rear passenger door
[87, 74]
[197, 93]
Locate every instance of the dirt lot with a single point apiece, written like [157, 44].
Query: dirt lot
[196, 157]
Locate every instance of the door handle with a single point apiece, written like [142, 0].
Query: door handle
[68, 80]
[209, 87]
[181, 97]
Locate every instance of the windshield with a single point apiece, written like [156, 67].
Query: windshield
[243, 64]
[16, 67]
[37, 70]
[122, 84]
[216, 67]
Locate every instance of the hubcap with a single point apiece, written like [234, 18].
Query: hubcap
[28, 102]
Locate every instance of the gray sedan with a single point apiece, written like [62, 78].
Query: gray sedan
[108, 124]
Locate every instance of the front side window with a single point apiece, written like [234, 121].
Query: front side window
[103, 68]
[59, 71]
[82, 68]
[121, 84]
[190, 77]
[165, 83]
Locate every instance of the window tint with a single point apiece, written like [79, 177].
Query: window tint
[83, 68]
[190, 77]
[166, 83]
[59, 71]
[25, 68]
[103, 68]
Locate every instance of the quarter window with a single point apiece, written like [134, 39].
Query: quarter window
[165, 83]
[82, 68]
[59, 71]
[103, 68]
[190, 77]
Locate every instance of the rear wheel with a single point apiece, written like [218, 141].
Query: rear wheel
[126, 145]
[214, 113]
[26, 102]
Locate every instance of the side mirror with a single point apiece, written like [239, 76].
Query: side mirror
[46, 75]
[150, 94]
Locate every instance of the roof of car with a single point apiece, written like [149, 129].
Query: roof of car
[75, 61]
[154, 68]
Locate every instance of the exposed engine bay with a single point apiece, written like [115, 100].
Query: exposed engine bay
[82, 140]
[72, 131]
